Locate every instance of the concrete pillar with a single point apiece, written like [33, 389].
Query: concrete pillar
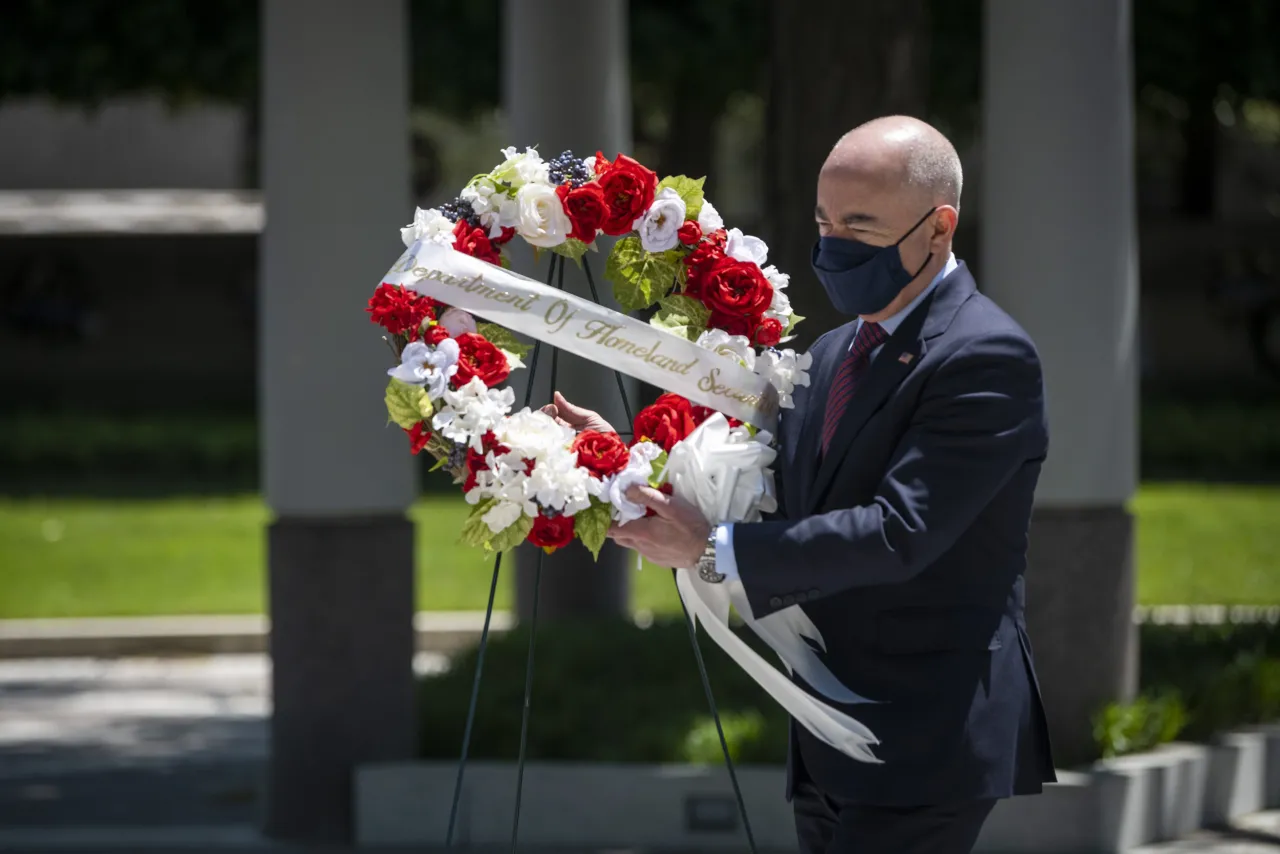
[566, 86]
[1059, 252]
[335, 172]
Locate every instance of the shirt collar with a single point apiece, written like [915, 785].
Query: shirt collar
[891, 324]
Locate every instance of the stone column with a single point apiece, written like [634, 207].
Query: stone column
[1059, 253]
[566, 86]
[335, 172]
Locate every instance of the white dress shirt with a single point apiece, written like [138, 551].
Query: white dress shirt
[726, 562]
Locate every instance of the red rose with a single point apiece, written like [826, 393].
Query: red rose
[666, 421]
[475, 242]
[734, 324]
[476, 460]
[399, 311]
[433, 335]
[602, 454]
[689, 233]
[419, 436]
[551, 532]
[477, 357]
[768, 332]
[736, 288]
[628, 191]
[585, 208]
[504, 238]
[699, 263]
[665, 489]
[702, 413]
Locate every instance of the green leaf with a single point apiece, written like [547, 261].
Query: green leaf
[407, 404]
[659, 470]
[475, 532]
[689, 190]
[591, 526]
[504, 261]
[791, 323]
[572, 249]
[503, 339]
[512, 535]
[681, 315]
[639, 277]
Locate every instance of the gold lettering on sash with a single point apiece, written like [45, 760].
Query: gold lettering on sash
[557, 315]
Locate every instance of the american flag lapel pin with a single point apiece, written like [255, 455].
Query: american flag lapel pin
[906, 358]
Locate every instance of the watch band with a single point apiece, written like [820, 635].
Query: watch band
[706, 565]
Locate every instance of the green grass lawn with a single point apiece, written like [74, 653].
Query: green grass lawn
[69, 557]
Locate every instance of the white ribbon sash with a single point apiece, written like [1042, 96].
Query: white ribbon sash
[728, 480]
[592, 331]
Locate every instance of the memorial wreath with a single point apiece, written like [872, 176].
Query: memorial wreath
[720, 317]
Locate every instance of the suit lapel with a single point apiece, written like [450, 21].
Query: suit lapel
[898, 358]
[816, 407]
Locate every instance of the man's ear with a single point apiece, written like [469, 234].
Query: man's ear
[944, 225]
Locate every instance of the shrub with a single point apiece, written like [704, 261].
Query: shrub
[1145, 723]
[605, 691]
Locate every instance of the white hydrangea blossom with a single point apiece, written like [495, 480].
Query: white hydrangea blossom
[533, 434]
[429, 225]
[424, 365]
[785, 371]
[560, 483]
[520, 168]
[471, 411]
[736, 347]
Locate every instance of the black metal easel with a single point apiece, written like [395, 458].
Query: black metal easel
[556, 271]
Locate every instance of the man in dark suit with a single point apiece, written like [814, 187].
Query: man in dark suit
[907, 470]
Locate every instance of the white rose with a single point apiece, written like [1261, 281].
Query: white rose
[429, 225]
[638, 470]
[709, 218]
[744, 247]
[456, 322]
[736, 347]
[542, 220]
[659, 227]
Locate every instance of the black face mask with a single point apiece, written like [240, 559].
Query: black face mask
[860, 278]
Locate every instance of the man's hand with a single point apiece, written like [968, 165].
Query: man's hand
[675, 537]
[576, 417]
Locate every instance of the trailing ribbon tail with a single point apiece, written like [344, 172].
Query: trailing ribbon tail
[830, 725]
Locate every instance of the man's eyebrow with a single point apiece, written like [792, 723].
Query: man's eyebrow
[847, 219]
[859, 219]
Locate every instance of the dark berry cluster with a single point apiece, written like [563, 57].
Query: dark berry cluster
[567, 168]
[460, 209]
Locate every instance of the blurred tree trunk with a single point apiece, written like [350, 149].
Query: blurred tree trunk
[689, 148]
[835, 64]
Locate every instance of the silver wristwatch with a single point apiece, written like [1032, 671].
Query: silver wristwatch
[706, 565]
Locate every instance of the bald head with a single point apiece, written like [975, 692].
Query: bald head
[901, 152]
[893, 182]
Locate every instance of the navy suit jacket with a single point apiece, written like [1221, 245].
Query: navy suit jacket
[906, 545]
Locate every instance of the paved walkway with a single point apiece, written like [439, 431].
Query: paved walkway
[154, 755]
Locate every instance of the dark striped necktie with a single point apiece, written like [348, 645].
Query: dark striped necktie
[849, 377]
